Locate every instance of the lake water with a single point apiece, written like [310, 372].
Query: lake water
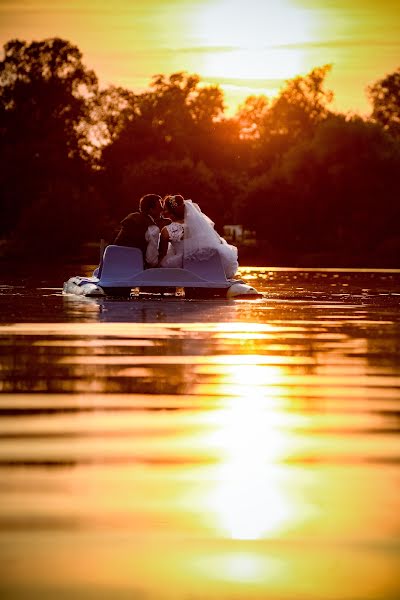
[201, 450]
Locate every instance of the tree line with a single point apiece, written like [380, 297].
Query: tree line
[313, 183]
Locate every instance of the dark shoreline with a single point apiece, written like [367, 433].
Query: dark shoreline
[259, 255]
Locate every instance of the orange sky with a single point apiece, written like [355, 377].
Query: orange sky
[246, 46]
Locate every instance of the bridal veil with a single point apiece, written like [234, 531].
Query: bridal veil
[201, 240]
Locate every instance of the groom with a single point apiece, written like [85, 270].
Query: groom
[134, 226]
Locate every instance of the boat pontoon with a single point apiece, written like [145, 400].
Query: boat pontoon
[122, 273]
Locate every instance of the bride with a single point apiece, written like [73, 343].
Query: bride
[191, 236]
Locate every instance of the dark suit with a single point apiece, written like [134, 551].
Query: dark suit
[133, 231]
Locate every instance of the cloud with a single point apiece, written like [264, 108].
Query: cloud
[240, 81]
[343, 43]
[201, 49]
[317, 44]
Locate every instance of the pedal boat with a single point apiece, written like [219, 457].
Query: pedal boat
[122, 273]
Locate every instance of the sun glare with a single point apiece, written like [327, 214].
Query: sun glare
[249, 499]
[252, 40]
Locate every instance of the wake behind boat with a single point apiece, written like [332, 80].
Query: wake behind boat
[122, 270]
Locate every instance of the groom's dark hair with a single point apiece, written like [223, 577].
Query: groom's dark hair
[147, 202]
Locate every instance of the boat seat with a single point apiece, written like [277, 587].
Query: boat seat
[121, 262]
[210, 270]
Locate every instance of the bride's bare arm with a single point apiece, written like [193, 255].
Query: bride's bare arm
[163, 246]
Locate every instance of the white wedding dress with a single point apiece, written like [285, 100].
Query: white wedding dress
[152, 237]
[174, 256]
[196, 239]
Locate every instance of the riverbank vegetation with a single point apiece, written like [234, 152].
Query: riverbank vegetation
[318, 187]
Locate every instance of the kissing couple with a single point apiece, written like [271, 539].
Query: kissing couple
[172, 231]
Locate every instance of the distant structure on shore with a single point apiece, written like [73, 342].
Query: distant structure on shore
[236, 234]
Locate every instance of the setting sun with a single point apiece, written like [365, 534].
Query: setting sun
[248, 48]
[253, 25]
[260, 48]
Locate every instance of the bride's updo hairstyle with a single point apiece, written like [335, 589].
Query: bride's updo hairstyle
[175, 205]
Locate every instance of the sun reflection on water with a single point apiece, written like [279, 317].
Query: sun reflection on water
[249, 499]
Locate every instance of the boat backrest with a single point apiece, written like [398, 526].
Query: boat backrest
[210, 269]
[121, 262]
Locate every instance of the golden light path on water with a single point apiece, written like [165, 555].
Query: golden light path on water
[201, 450]
[248, 498]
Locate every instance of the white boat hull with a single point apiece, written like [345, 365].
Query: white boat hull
[122, 271]
[82, 287]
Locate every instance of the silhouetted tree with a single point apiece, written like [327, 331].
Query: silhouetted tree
[336, 192]
[46, 103]
[251, 116]
[301, 105]
[48, 228]
[45, 93]
[275, 126]
[73, 157]
[174, 120]
[183, 109]
[385, 98]
[177, 120]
